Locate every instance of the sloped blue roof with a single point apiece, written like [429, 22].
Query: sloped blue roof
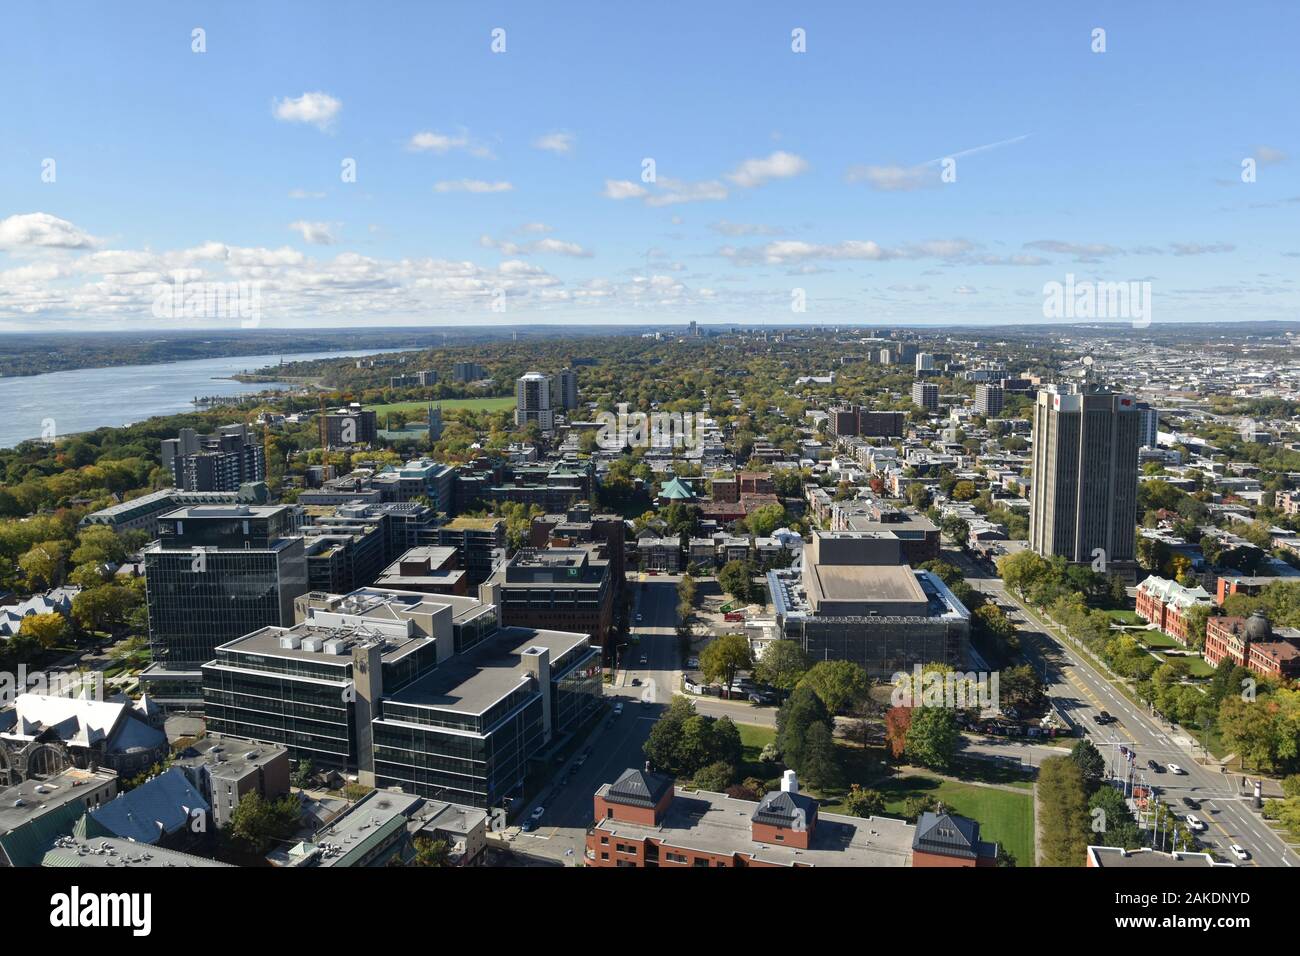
[159, 807]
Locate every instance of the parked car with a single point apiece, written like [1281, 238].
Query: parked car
[1176, 770]
[762, 697]
[636, 682]
[1239, 851]
[693, 663]
[638, 618]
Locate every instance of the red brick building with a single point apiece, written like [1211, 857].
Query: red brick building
[1252, 643]
[1166, 604]
[945, 839]
[642, 822]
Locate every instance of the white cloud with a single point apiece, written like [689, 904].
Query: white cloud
[40, 229]
[1267, 155]
[756, 172]
[1082, 251]
[794, 250]
[471, 186]
[304, 194]
[674, 191]
[561, 143]
[623, 189]
[442, 143]
[317, 233]
[318, 109]
[547, 246]
[894, 178]
[745, 229]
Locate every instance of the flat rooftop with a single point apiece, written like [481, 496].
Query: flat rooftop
[41, 796]
[716, 823]
[114, 853]
[472, 524]
[471, 683]
[870, 582]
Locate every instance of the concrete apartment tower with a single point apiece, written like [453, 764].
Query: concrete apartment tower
[1085, 477]
[533, 401]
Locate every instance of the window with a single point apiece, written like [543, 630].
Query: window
[700, 861]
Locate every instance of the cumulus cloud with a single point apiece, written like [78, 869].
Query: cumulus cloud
[623, 189]
[561, 143]
[785, 251]
[430, 141]
[547, 246]
[756, 172]
[317, 233]
[318, 109]
[42, 230]
[745, 229]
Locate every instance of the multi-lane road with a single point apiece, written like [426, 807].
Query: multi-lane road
[617, 744]
[1079, 692]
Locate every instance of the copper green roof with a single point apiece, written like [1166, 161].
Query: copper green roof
[676, 490]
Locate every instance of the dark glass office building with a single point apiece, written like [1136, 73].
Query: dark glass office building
[219, 572]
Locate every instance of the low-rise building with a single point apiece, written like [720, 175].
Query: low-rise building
[1166, 604]
[641, 821]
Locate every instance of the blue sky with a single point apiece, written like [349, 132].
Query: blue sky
[489, 181]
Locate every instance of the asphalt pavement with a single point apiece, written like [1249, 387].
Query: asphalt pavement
[1079, 692]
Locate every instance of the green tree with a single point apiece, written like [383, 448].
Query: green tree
[256, 822]
[663, 746]
[932, 737]
[1091, 764]
[819, 762]
[430, 852]
[839, 684]
[864, 803]
[723, 657]
[736, 578]
[715, 777]
[1063, 798]
[782, 665]
[801, 711]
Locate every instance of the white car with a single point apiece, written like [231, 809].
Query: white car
[537, 813]
[1176, 770]
[1239, 851]
[1194, 822]
[618, 710]
[638, 618]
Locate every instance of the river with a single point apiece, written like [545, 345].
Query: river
[61, 403]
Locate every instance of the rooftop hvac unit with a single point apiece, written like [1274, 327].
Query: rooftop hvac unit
[290, 642]
[312, 644]
[336, 645]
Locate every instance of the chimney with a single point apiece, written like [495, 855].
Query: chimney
[789, 782]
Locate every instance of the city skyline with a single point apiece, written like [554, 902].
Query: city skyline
[904, 167]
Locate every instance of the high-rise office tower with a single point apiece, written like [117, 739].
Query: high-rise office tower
[533, 401]
[217, 572]
[1084, 495]
[924, 362]
[566, 390]
[1149, 426]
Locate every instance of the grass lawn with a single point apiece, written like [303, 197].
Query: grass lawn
[1196, 666]
[1004, 817]
[448, 405]
[1125, 617]
[1157, 640]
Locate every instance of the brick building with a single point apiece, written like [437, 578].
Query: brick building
[1166, 604]
[1252, 643]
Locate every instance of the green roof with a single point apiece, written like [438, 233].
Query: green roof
[676, 489]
